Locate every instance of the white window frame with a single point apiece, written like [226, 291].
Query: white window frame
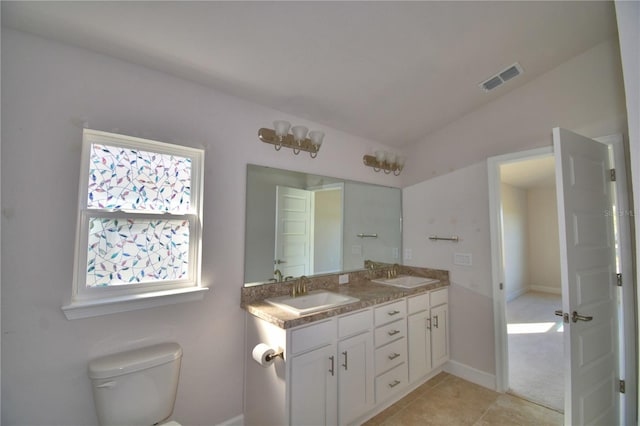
[94, 301]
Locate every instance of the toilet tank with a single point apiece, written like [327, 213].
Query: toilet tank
[136, 387]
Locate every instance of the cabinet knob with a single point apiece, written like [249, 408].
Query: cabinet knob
[394, 355]
[395, 312]
[393, 332]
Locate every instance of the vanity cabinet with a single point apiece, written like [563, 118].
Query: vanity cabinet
[332, 383]
[340, 370]
[391, 349]
[427, 332]
[439, 335]
[312, 379]
[355, 385]
[313, 388]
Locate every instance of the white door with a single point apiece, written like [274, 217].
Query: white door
[588, 276]
[293, 231]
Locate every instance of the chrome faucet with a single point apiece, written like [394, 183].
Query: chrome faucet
[299, 287]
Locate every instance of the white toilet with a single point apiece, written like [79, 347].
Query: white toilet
[137, 387]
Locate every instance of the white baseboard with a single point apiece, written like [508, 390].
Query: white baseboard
[234, 421]
[516, 293]
[546, 289]
[471, 374]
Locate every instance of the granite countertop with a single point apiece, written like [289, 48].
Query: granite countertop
[368, 292]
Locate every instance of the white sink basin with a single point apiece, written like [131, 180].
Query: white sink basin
[314, 301]
[406, 281]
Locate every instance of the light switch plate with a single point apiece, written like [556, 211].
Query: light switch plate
[463, 259]
[408, 254]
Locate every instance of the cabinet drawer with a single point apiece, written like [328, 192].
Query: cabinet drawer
[390, 382]
[355, 323]
[390, 312]
[390, 332]
[391, 355]
[439, 297]
[313, 336]
[418, 303]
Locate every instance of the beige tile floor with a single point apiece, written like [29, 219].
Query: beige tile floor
[449, 400]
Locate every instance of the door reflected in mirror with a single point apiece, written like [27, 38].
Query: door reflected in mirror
[301, 224]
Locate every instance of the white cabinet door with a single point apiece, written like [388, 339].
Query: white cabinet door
[439, 335]
[355, 377]
[313, 388]
[419, 336]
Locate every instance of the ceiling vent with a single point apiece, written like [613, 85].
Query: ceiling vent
[502, 77]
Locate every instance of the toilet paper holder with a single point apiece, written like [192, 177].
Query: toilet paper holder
[266, 355]
[275, 355]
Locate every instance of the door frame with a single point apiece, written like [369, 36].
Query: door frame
[320, 188]
[619, 154]
[629, 403]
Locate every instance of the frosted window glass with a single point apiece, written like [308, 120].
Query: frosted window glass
[133, 179]
[129, 251]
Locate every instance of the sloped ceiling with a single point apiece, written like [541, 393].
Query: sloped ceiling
[392, 72]
[536, 173]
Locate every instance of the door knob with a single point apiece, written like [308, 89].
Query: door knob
[565, 317]
[576, 316]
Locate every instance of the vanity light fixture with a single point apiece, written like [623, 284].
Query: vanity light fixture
[386, 161]
[297, 140]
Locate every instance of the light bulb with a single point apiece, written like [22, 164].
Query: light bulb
[316, 137]
[299, 133]
[282, 128]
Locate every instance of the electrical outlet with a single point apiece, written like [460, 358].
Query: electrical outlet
[343, 279]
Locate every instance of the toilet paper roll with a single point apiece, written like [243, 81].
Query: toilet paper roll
[260, 354]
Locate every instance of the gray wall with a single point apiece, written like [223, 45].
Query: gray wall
[585, 94]
[515, 244]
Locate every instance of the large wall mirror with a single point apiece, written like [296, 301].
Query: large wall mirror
[302, 224]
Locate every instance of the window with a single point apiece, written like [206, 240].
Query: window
[138, 240]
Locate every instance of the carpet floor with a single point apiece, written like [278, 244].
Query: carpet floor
[536, 349]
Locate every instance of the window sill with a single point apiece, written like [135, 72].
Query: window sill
[94, 308]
